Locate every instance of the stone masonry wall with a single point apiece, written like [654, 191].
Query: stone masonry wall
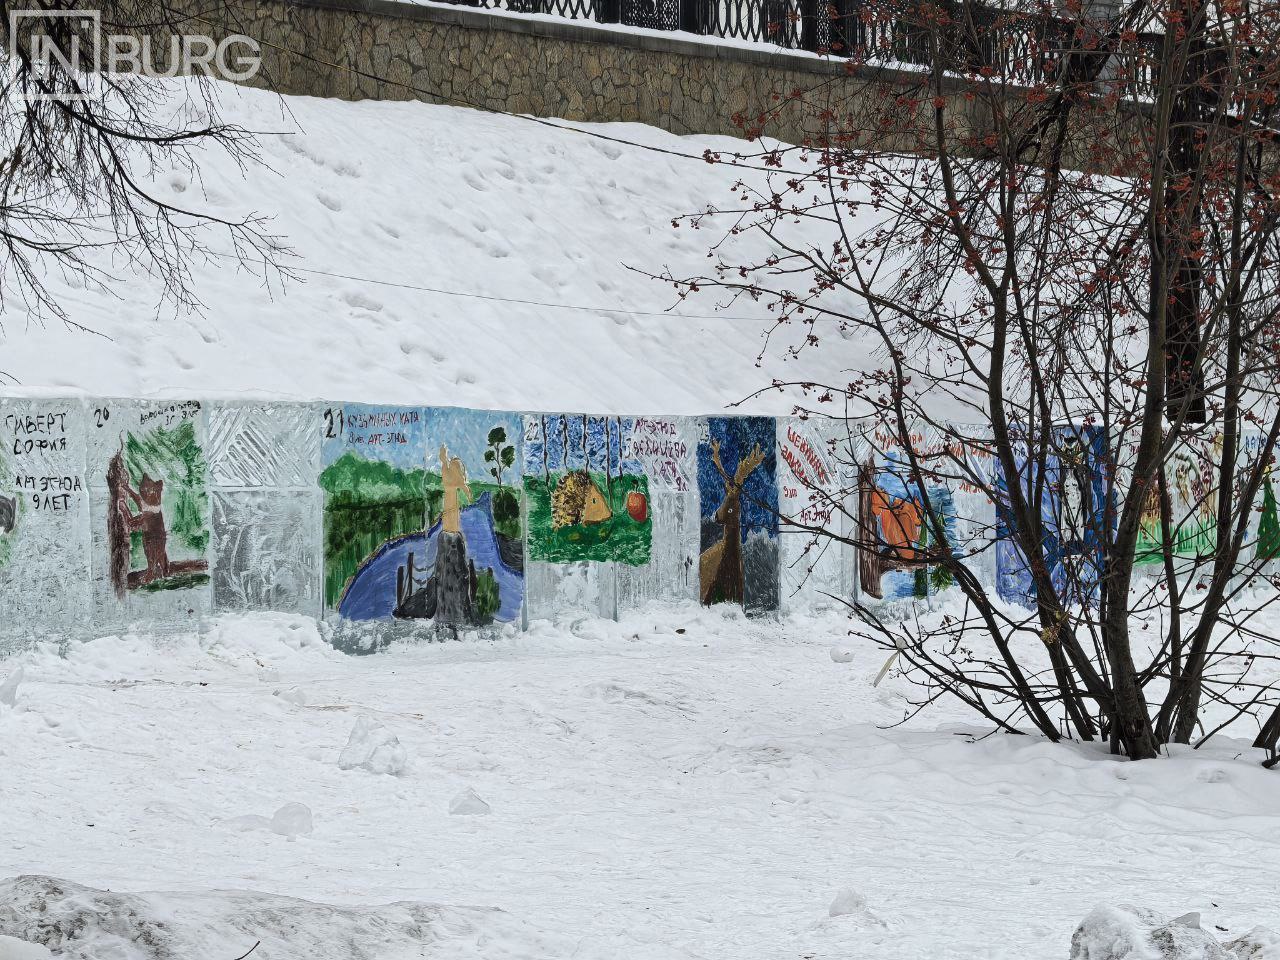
[526, 65]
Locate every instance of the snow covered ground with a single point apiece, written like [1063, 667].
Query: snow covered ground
[685, 784]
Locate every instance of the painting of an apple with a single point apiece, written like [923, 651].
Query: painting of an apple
[638, 506]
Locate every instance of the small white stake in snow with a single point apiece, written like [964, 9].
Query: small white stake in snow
[888, 664]
[9, 690]
[468, 803]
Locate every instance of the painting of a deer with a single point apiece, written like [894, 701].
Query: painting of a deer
[720, 565]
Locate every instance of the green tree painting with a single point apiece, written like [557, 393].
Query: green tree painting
[1268, 524]
[499, 455]
[367, 502]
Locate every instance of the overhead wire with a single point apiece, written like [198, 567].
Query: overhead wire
[445, 291]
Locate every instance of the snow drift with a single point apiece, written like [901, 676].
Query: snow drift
[81, 923]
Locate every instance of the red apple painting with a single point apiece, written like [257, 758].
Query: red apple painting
[638, 506]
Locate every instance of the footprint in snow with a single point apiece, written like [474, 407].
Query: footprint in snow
[361, 301]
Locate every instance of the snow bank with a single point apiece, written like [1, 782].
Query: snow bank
[1127, 932]
[81, 923]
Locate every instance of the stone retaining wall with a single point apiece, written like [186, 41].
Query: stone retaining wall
[537, 65]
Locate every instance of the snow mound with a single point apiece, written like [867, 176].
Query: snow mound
[1127, 932]
[81, 923]
[373, 747]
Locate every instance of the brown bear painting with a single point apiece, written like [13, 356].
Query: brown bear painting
[157, 511]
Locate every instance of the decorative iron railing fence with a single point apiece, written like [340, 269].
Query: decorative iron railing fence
[1020, 48]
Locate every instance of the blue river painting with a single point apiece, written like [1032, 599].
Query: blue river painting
[390, 583]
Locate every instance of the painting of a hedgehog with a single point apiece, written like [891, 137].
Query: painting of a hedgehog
[577, 499]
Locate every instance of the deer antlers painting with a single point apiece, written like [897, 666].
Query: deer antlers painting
[722, 578]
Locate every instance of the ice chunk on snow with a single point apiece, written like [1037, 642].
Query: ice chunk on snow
[9, 688]
[842, 654]
[468, 803]
[850, 903]
[1126, 932]
[294, 695]
[293, 820]
[11, 948]
[373, 747]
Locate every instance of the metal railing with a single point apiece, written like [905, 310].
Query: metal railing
[1018, 47]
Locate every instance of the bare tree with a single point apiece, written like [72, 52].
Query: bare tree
[1051, 251]
[80, 151]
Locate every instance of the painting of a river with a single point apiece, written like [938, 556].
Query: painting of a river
[401, 579]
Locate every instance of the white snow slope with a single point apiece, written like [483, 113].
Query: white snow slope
[707, 795]
[442, 197]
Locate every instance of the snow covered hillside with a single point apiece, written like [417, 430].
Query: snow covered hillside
[683, 786]
[430, 196]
